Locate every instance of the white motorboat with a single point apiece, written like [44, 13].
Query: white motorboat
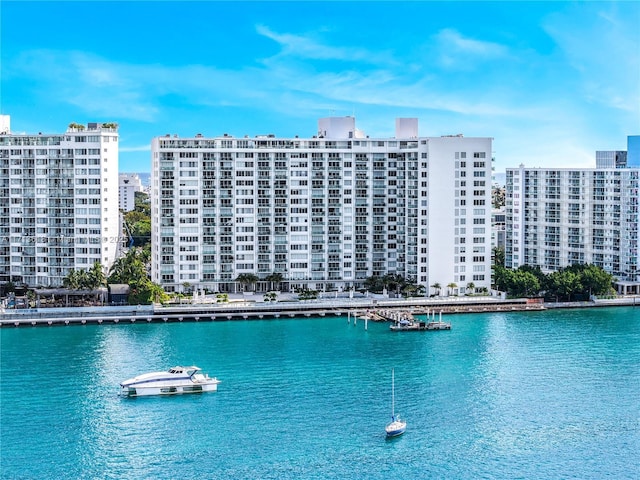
[174, 381]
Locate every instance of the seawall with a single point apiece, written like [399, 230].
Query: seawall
[248, 310]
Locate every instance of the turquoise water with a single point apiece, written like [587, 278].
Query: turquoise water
[551, 395]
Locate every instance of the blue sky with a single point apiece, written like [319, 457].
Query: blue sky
[551, 82]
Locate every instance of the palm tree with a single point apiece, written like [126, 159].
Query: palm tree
[72, 280]
[452, 286]
[274, 278]
[31, 298]
[436, 286]
[394, 281]
[130, 268]
[374, 284]
[410, 290]
[471, 287]
[247, 279]
[97, 277]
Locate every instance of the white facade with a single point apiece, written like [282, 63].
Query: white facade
[5, 124]
[557, 217]
[498, 226]
[58, 203]
[128, 185]
[611, 159]
[323, 213]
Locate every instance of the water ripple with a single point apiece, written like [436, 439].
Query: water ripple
[518, 395]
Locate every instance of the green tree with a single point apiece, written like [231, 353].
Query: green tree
[394, 281]
[142, 204]
[72, 280]
[536, 271]
[273, 279]
[564, 284]
[524, 284]
[437, 287]
[452, 286]
[501, 278]
[374, 284]
[410, 290]
[247, 280]
[97, 277]
[145, 292]
[9, 287]
[81, 279]
[135, 216]
[307, 294]
[141, 233]
[130, 268]
[139, 220]
[595, 280]
[31, 298]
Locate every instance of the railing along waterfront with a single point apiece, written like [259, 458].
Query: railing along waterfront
[251, 309]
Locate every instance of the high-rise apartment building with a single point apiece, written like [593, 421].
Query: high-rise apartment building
[611, 159]
[629, 158]
[58, 202]
[633, 151]
[128, 185]
[557, 217]
[324, 212]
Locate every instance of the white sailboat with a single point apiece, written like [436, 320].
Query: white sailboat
[396, 427]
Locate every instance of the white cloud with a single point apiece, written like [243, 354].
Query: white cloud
[601, 42]
[308, 48]
[457, 51]
[508, 95]
[93, 84]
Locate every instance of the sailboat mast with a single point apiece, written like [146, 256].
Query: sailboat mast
[393, 393]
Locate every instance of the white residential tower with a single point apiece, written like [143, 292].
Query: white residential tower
[324, 212]
[58, 203]
[557, 217]
[128, 185]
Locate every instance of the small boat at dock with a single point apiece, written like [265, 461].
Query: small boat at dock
[406, 324]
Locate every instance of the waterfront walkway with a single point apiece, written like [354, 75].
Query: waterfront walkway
[246, 308]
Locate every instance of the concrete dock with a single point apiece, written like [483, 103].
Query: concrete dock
[253, 310]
